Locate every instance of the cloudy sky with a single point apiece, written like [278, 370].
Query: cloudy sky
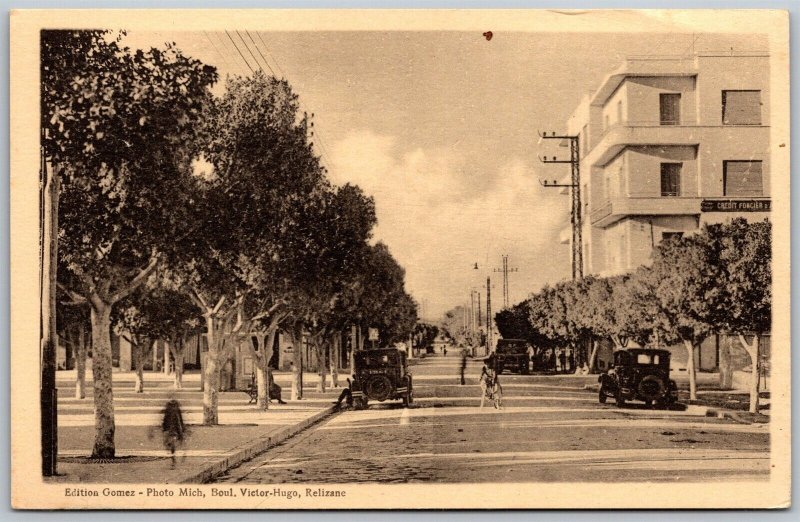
[441, 129]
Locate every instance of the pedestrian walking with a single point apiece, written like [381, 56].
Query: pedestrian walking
[172, 427]
[463, 366]
[562, 359]
[572, 360]
[551, 361]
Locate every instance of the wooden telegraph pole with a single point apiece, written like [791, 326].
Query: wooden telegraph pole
[48, 394]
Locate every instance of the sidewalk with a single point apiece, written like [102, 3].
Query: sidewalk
[243, 432]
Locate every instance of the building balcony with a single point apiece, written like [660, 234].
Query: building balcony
[667, 66]
[655, 134]
[617, 137]
[611, 211]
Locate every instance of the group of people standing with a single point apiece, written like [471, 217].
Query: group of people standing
[558, 361]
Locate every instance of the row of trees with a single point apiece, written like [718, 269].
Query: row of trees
[181, 212]
[718, 280]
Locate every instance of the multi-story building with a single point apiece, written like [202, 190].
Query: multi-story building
[667, 144]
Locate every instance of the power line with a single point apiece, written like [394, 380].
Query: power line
[248, 50]
[259, 52]
[216, 50]
[240, 52]
[324, 152]
[270, 55]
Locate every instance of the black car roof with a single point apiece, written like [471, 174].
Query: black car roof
[648, 350]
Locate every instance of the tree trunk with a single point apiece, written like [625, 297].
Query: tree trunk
[211, 383]
[336, 348]
[297, 373]
[262, 381]
[593, 356]
[755, 369]
[101, 372]
[178, 382]
[690, 370]
[322, 369]
[139, 355]
[166, 357]
[725, 369]
[80, 364]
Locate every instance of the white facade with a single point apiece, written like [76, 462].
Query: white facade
[667, 144]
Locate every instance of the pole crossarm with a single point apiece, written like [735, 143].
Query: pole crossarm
[575, 189]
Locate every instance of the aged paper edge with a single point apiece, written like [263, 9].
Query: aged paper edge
[30, 492]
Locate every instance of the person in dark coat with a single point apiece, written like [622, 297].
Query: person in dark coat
[346, 395]
[274, 390]
[562, 359]
[172, 427]
[463, 366]
[572, 360]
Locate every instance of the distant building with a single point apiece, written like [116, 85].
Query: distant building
[667, 144]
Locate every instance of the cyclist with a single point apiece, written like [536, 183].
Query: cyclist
[490, 385]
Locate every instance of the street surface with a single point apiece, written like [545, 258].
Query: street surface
[550, 429]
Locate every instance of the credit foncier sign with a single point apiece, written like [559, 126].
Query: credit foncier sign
[735, 205]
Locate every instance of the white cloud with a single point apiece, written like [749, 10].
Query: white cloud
[439, 218]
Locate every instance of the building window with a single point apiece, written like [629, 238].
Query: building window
[670, 179]
[606, 122]
[741, 107]
[666, 236]
[742, 178]
[619, 112]
[670, 108]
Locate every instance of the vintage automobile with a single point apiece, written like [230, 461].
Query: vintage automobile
[513, 355]
[381, 375]
[639, 374]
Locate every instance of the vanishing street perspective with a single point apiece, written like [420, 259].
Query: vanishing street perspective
[334, 257]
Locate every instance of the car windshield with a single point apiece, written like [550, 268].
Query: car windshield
[372, 360]
[647, 358]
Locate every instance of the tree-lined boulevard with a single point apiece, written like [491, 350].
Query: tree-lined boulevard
[174, 210]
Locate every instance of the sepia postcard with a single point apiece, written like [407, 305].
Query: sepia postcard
[400, 259]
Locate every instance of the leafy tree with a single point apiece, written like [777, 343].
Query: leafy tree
[680, 292]
[257, 250]
[119, 128]
[424, 335]
[745, 267]
[454, 326]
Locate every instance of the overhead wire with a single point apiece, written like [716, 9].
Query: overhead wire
[240, 52]
[259, 52]
[323, 147]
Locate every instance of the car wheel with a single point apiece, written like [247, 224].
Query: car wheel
[360, 403]
[651, 388]
[601, 396]
[379, 388]
[620, 402]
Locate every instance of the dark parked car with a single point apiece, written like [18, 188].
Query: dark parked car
[513, 355]
[381, 375]
[639, 374]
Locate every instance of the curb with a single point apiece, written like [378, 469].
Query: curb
[738, 416]
[209, 470]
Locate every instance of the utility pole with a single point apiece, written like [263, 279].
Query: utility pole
[489, 320]
[48, 394]
[575, 191]
[505, 270]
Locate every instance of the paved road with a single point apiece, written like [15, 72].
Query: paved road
[549, 430]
